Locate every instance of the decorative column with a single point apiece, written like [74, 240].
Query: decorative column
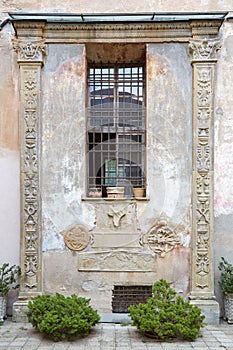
[30, 59]
[204, 58]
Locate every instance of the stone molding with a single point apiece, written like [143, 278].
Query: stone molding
[181, 31]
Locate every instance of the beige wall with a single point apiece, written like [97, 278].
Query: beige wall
[117, 6]
[9, 152]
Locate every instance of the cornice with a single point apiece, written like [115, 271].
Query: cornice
[96, 32]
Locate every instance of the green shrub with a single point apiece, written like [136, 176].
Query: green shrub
[9, 278]
[226, 282]
[166, 315]
[61, 317]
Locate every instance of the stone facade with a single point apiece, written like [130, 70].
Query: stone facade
[74, 244]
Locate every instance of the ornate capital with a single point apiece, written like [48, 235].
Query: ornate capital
[30, 51]
[204, 49]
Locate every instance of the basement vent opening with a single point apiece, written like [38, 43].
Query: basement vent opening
[124, 296]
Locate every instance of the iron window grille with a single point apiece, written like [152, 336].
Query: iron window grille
[116, 127]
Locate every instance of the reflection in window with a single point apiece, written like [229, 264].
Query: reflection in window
[116, 127]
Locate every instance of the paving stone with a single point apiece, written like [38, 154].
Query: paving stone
[112, 337]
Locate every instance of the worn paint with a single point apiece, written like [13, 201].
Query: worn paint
[168, 175]
[224, 130]
[9, 94]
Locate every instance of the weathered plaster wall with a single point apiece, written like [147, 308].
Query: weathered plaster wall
[63, 138]
[223, 241]
[95, 270]
[169, 132]
[9, 152]
[119, 6]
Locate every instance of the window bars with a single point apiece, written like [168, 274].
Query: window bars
[116, 127]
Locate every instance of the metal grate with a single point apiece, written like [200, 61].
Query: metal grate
[124, 296]
[116, 127]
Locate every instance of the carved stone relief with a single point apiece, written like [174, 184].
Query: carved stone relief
[161, 239]
[116, 226]
[30, 56]
[204, 49]
[116, 260]
[204, 56]
[77, 238]
[117, 215]
[30, 50]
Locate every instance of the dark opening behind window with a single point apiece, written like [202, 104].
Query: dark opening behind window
[116, 127]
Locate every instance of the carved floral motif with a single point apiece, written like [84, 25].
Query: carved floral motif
[204, 49]
[30, 50]
[30, 89]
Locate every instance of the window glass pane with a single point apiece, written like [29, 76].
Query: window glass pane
[116, 122]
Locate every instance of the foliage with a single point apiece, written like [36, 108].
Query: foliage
[61, 317]
[9, 276]
[166, 315]
[226, 282]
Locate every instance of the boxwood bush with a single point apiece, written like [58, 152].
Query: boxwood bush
[61, 317]
[166, 316]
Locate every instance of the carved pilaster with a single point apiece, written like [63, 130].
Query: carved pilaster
[30, 59]
[204, 57]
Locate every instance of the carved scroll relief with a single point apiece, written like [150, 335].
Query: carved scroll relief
[204, 56]
[30, 56]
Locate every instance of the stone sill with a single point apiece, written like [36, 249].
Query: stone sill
[124, 199]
